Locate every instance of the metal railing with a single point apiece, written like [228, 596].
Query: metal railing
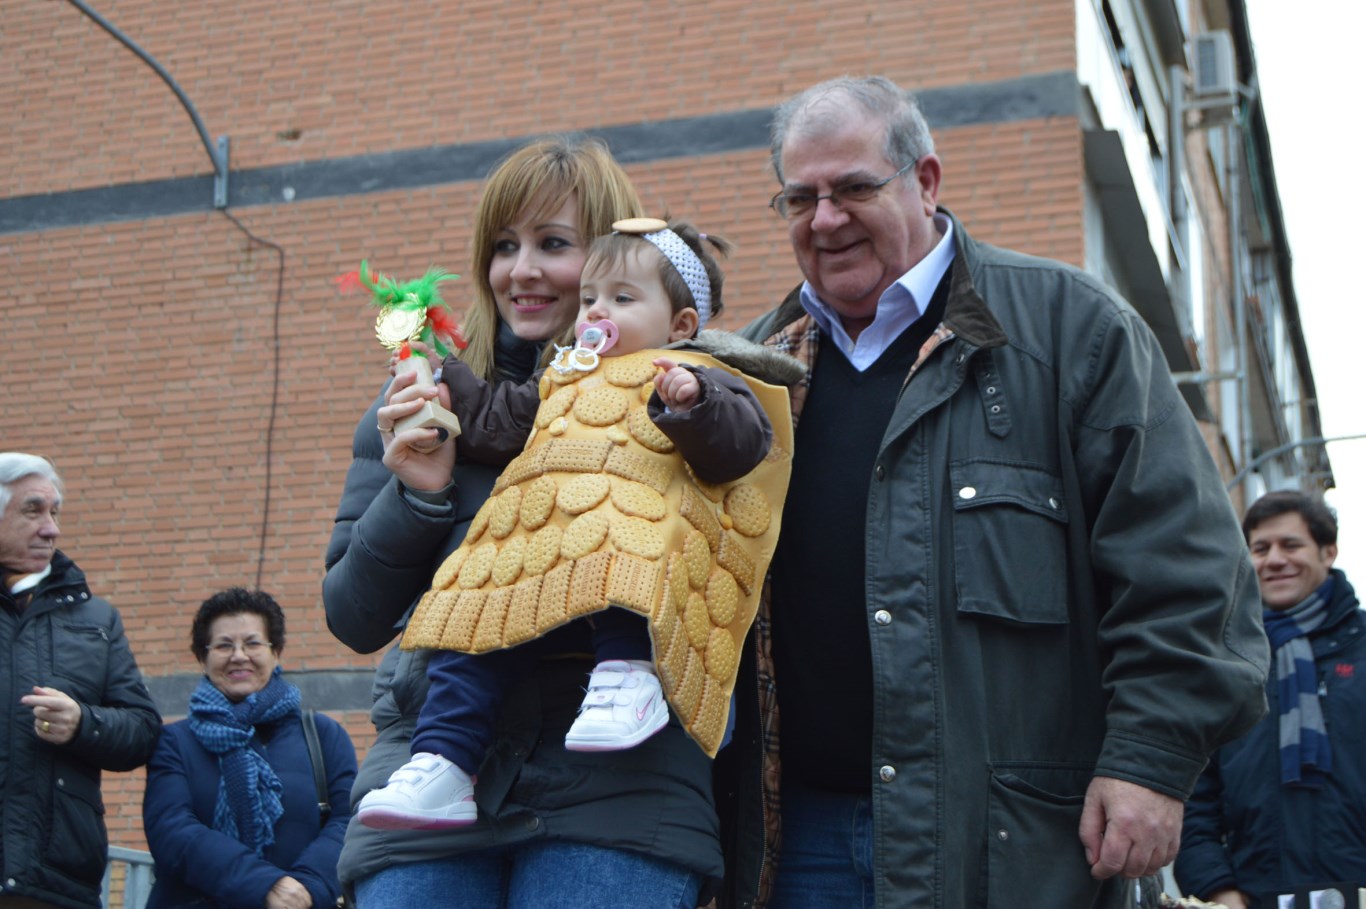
[127, 874]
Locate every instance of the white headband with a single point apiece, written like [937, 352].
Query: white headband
[680, 255]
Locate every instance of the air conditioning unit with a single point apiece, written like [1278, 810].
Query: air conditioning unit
[1215, 68]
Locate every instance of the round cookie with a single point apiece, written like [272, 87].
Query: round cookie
[543, 551]
[638, 500]
[638, 537]
[583, 493]
[723, 597]
[538, 501]
[584, 535]
[748, 509]
[630, 371]
[698, 557]
[507, 566]
[557, 405]
[475, 572]
[600, 406]
[644, 431]
[479, 523]
[507, 510]
[697, 621]
[722, 656]
[450, 569]
[639, 225]
[555, 376]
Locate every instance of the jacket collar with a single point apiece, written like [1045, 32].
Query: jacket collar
[967, 314]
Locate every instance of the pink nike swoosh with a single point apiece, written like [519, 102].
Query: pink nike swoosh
[641, 711]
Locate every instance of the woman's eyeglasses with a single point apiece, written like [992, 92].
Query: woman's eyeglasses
[252, 648]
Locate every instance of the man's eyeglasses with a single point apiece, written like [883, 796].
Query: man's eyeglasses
[794, 204]
[252, 648]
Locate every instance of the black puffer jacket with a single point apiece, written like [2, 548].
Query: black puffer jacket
[53, 844]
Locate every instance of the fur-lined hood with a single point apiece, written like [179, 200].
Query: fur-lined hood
[766, 364]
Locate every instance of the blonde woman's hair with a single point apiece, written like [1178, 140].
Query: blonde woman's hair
[543, 173]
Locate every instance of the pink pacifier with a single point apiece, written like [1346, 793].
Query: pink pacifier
[594, 339]
[597, 336]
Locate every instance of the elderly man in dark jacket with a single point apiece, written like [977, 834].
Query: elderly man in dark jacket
[71, 697]
[1010, 614]
[1283, 808]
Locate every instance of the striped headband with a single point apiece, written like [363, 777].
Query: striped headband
[680, 255]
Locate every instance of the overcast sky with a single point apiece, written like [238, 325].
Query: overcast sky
[1309, 55]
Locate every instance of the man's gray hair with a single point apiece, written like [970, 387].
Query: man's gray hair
[908, 135]
[15, 465]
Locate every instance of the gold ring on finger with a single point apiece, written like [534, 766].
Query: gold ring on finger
[47, 727]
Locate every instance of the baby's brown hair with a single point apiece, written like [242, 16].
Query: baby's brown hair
[611, 249]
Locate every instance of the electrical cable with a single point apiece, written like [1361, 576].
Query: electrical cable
[274, 384]
[220, 168]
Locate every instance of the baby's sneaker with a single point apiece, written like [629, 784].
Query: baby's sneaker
[623, 708]
[427, 793]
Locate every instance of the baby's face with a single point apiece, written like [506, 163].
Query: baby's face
[632, 296]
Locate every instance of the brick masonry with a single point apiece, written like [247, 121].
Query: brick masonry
[138, 352]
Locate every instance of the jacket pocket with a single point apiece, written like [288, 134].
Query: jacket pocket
[80, 660]
[78, 844]
[1009, 541]
[1033, 845]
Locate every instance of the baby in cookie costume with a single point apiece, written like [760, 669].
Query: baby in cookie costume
[646, 472]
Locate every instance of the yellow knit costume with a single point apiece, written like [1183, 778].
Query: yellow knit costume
[600, 510]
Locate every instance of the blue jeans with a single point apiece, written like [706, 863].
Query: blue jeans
[554, 874]
[827, 851]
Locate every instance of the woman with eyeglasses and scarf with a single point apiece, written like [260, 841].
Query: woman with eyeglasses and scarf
[231, 808]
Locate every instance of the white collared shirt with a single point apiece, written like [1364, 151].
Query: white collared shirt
[30, 580]
[898, 307]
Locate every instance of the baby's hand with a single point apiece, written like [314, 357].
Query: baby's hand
[678, 387]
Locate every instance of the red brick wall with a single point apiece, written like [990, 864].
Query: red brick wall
[354, 77]
[138, 354]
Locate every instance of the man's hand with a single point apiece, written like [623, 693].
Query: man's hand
[1232, 899]
[56, 717]
[1128, 829]
[287, 893]
[678, 387]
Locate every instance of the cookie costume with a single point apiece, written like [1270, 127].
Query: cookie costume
[601, 510]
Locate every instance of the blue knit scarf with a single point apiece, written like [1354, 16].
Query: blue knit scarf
[1305, 755]
[248, 789]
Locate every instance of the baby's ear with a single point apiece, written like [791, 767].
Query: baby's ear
[684, 325]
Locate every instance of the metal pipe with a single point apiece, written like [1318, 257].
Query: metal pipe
[218, 154]
[1234, 145]
[1282, 449]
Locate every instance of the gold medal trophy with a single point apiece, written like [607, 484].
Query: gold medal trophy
[413, 311]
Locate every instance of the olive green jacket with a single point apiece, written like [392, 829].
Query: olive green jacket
[1057, 585]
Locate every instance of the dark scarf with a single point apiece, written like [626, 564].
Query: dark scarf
[513, 358]
[1305, 755]
[248, 789]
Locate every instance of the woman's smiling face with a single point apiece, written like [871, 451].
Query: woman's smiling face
[535, 270]
[241, 657]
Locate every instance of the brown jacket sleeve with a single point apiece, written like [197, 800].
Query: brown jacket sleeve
[725, 434]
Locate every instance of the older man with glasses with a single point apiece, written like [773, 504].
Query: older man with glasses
[1010, 614]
